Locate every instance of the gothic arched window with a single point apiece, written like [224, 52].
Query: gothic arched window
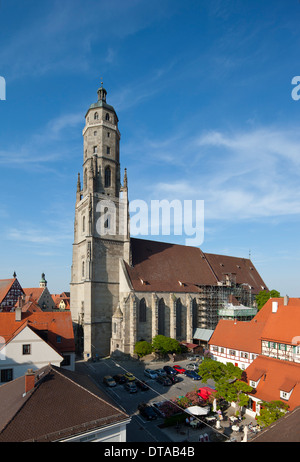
[142, 310]
[107, 177]
[107, 116]
[96, 116]
[161, 317]
[194, 315]
[178, 317]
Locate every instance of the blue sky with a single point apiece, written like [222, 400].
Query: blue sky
[202, 90]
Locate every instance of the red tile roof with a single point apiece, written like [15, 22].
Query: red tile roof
[282, 326]
[5, 286]
[162, 267]
[275, 375]
[35, 292]
[61, 405]
[56, 324]
[240, 269]
[238, 335]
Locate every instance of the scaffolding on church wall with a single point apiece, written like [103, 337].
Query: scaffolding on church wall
[212, 298]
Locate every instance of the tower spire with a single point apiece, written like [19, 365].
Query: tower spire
[102, 93]
[125, 183]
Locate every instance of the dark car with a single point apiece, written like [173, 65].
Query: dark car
[147, 411]
[173, 378]
[192, 375]
[170, 370]
[142, 385]
[165, 381]
[131, 387]
[120, 378]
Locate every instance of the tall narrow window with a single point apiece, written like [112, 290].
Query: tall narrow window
[161, 317]
[107, 150]
[107, 179]
[83, 224]
[178, 317]
[142, 310]
[107, 116]
[96, 116]
[194, 315]
[83, 269]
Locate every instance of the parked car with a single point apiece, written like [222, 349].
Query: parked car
[120, 378]
[179, 369]
[157, 408]
[130, 377]
[142, 385]
[165, 381]
[170, 370]
[131, 387]
[192, 375]
[173, 378]
[109, 381]
[192, 366]
[150, 373]
[147, 411]
[161, 372]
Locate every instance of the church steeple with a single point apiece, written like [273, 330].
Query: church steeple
[102, 93]
[101, 229]
[101, 148]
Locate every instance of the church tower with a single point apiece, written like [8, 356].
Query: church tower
[101, 231]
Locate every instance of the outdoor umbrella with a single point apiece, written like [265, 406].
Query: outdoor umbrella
[197, 410]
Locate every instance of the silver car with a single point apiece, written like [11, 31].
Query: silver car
[150, 373]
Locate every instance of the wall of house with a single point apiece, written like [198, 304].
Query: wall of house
[41, 354]
[112, 434]
[239, 358]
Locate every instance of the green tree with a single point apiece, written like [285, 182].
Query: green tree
[165, 345]
[264, 296]
[270, 412]
[143, 348]
[228, 383]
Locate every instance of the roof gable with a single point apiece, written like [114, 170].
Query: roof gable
[163, 267]
[66, 399]
[278, 376]
[238, 335]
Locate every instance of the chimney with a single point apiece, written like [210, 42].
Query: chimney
[29, 380]
[274, 307]
[286, 300]
[18, 311]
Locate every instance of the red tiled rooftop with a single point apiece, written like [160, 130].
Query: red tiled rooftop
[162, 267]
[275, 375]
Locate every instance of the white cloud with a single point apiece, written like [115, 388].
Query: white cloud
[247, 175]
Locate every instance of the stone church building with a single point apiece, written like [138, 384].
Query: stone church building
[124, 289]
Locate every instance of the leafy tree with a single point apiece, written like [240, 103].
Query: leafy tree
[264, 296]
[271, 411]
[234, 392]
[165, 345]
[215, 370]
[228, 383]
[142, 348]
